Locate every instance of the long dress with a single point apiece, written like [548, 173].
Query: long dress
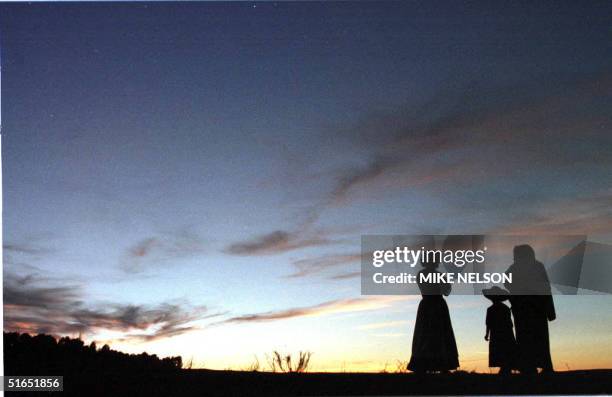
[433, 344]
[502, 345]
[532, 308]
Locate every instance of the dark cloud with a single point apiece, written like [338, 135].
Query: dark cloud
[464, 136]
[167, 319]
[32, 307]
[19, 292]
[276, 242]
[482, 131]
[162, 248]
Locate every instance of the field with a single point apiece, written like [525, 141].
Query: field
[237, 383]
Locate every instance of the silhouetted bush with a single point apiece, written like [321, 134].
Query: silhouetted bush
[285, 363]
[43, 355]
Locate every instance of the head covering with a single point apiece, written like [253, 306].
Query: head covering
[496, 293]
[524, 254]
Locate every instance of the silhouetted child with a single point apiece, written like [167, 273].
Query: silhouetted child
[502, 345]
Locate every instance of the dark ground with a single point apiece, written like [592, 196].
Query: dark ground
[233, 383]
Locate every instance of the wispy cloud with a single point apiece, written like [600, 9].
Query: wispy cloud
[310, 266]
[161, 248]
[276, 242]
[31, 306]
[474, 131]
[582, 215]
[22, 253]
[363, 175]
[322, 309]
[345, 276]
[29, 249]
[470, 133]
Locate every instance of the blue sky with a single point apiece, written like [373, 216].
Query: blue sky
[168, 166]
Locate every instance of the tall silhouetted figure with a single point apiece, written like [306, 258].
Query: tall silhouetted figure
[532, 308]
[433, 344]
[499, 333]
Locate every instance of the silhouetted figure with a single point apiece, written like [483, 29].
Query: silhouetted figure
[502, 345]
[433, 343]
[532, 308]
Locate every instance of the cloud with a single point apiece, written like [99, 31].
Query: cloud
[309, 266]
[28, 249]
[470, 134]
[60, 310]
[18, 293]
[322, 309]
[346, 276]
[21, 254]
[160, 249]
[362, 175]
[472, 131]
[587, 215]
[276, 242]
[164, 320]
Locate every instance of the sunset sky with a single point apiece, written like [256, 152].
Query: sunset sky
[194, 179]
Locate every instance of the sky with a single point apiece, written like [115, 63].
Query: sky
[194, 178]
